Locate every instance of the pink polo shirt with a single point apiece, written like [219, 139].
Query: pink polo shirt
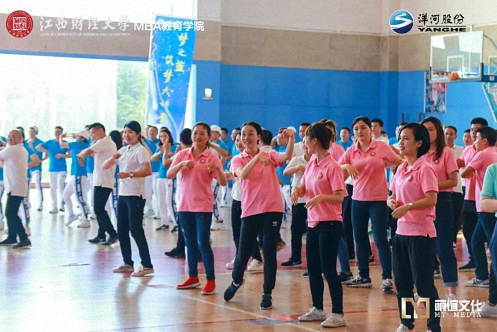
[444, 166]
[468, 155]
[479, 163]
[410, 186]
[196, 191]
[261, 190]
[336, 151]
[371, 184]
[325, 177]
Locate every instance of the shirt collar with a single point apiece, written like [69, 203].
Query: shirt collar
[371, 146]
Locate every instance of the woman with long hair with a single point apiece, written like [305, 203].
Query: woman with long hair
[198, 166]
[134, 162]
[323, 187]
[365, 162]
[414, 195]
[262, 207]
[443, 161]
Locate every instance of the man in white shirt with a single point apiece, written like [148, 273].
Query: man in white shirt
[15, 164]
[377, 128]
[103, 181]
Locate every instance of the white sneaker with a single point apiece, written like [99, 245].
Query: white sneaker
[229, 266]
[485, 311]
[54, 211]
[142, 271]
[93, 216]
[217, 225]
[475, 282]
[84, 224]
[40, 207]
[255, 266]
[314, 315]
[403, 328]
[451, 297]
[123, 268]
[334, 320]
[72, 218]
[387, 286]
[149, 213]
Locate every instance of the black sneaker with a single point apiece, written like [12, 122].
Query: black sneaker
[437, 273]
[111, 240]
[292, 263]
[22, 244]
[8, 242]
[231, 290]
[358, 282]
[305, 275]
[371, 260]
[467, 267]
[97, 240]
[266, 302]
[175, 253]
[163, 227]
[345, 276]
[175, 229]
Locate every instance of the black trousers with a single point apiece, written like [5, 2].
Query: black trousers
[298, 228]
[130, 220]
[13, 221]
[413, 258]
[269, 223]
[469, 220]
[322, 250]
[100, 197]
[347, 221]
[236, 225]
[457, 204]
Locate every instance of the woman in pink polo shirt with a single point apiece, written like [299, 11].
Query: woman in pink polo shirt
[198, 166]
[414, 195]
[365, 162]
[443, 161]
[323, 187]
[262, 207]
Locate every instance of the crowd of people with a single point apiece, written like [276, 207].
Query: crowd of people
[419, 188]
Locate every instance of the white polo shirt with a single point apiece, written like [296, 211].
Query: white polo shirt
[15, 169]
[132, 160]
[104, 148]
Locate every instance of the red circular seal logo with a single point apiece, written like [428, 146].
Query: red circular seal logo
[19, 24]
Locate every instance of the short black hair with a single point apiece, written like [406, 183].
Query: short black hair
[480, 121]
[266, 137]
[346, 128]
[117, 138]
[379, 121]
[224, 129]
[97, 125]
[364, 119]
[185, 136]
[452, 127]
[307, 124]
[467, 131]
[56, 127]
[488, 133]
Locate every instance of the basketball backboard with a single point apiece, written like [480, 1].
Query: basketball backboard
[456, 57]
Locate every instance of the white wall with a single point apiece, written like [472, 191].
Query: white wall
[356, 16]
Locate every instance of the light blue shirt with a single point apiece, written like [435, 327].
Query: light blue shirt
[53, 148]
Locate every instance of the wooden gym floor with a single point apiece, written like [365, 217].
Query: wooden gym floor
[64, 283]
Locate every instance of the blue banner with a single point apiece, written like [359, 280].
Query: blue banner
[171, 57]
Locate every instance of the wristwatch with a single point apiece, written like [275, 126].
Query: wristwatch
[410, 206]
[131, 176]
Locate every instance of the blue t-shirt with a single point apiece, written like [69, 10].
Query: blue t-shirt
[89, 161]
[30, 152]
[162, 169]
[287, 180]
[36, 142]
[76, 147]
[345, 146]
[53, 148]
[153, 147]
